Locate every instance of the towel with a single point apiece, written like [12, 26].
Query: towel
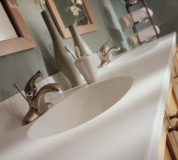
[144, 35]
[138, 16]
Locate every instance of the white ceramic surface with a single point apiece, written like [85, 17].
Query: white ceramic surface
[129, 130]
[80, 107]
[134, 53]
[87, 68]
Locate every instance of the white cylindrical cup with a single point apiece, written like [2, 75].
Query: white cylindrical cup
[87, 68]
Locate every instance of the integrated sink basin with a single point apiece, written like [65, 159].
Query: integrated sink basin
[80, 107]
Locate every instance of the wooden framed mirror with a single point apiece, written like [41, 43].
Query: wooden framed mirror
[59, 21]
[14, 35]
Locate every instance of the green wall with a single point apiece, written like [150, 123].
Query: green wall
[165, 15]
[21, 66]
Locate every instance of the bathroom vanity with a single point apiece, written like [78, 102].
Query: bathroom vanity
[132, 124]
[169, 140]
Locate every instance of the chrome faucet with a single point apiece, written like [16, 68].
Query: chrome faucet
[104, 53]
[36, 99]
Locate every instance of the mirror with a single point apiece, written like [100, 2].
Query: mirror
[15, 37]
[7, 30]
[68, 17]
[85, 20]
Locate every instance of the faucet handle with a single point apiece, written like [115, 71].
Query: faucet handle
[17, 87]
[103, 47]
[30, 87]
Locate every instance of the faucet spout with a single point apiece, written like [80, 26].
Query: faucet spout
[105, 56]
[103, 47]
[113, 49]
[40, 97]
[36, 99]
[104, 53]
[30, 88]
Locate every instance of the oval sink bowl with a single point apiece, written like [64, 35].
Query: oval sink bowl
[80, 107]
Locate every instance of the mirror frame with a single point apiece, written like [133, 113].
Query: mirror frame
[65, 33]
[25, 40]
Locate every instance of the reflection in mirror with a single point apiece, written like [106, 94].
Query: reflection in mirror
[7, 30]
[57, 10]
[68, 17]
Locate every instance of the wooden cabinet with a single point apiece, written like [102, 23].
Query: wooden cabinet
[168, 148]
[167, 154]
[172, 137]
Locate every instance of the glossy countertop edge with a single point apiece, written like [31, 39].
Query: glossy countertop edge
[158, 119]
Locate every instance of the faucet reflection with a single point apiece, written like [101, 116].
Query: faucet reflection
[36, 99]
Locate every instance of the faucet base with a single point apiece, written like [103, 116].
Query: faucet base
[33, 114]
[103, 63]
[45, 108]
[30, 116]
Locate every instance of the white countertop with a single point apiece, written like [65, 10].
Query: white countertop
[129, 130]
